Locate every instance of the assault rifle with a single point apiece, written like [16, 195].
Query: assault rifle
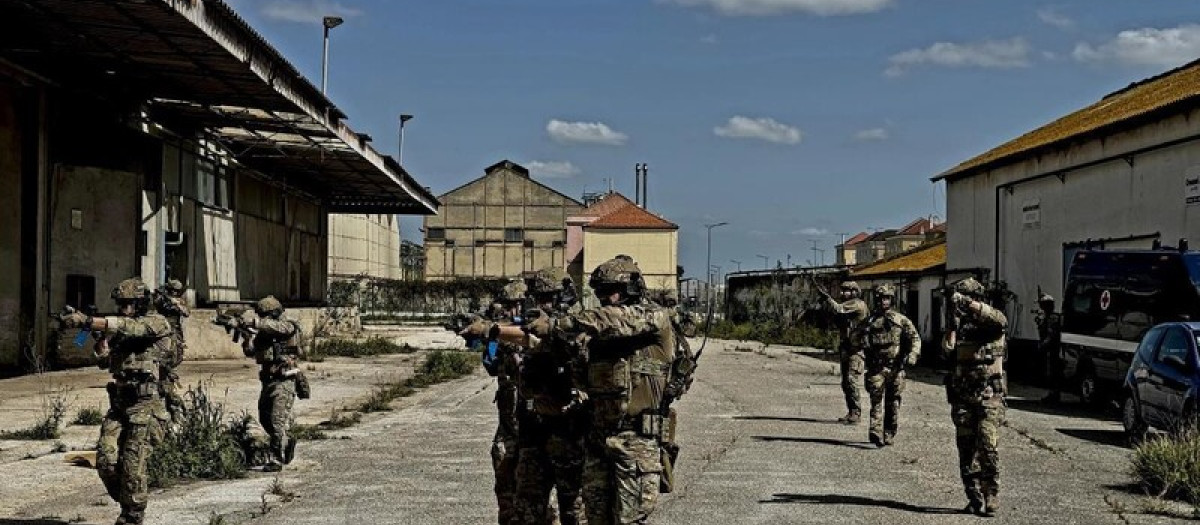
[81, 337]
[231, 320]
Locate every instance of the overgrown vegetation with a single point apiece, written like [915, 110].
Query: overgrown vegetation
[775, 333]
[201, 445]
[1168, 466]
[357, 348]
[405, 299]
[88, 416]
[49, 425]
[439, 366]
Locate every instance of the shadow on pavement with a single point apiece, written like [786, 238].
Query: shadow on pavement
[33, 521]
[1063, 408]
[789, 418]
[840, 499]
[819, 441]
[1114, 438]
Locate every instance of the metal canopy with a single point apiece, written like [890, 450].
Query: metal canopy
[197, 66]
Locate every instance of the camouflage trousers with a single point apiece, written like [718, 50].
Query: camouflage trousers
[886, 387]
[551, 458]
[168, 385]
[977, 434]
[852, 365]
[275, 413]
[128, 434]
[504, 465]
[621, 478]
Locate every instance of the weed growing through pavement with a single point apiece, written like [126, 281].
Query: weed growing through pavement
[200, 445]
[49, 426]
[88, 416]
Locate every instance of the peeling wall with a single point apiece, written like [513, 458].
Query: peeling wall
[10, 226]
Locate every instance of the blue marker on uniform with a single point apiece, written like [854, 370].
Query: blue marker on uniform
[81, 337]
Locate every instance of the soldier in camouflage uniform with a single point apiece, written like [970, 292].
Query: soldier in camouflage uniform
[505, 450]
[891, 343]
[274, 347]
[850, 313]
[629, 347]
[975, 388]
[1049, 327]
[170, 304]
[552, 422]
[136, 415]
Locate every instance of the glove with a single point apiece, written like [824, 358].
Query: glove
[478, 329]
[961, 301]
[76, 320]
[911, 360]
[540, 327]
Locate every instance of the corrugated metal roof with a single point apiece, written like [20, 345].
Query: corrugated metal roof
[917, 259]
[1171, 92]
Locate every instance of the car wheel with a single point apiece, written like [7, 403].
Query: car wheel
[1131, 419]
[1089, 392]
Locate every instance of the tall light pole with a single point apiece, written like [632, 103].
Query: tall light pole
[738, 263]
[328, 22]
[766, 261]
[708, 263]
[403, 118]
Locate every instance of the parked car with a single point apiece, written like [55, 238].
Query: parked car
[1111, 298]
[1163, 380]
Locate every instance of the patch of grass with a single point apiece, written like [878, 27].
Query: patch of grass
[775, 333]
[50, 424]
[339, 420]
[307, 433]
[1168, 466]
[88, 416]
[372, 346]
[439, 366]
[202, 445]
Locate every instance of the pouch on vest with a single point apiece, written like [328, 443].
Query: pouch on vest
[491, 358]
[303, 390]
[609, 378]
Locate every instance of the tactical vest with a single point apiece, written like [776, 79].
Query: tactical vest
[882, 336]
[626, 376]
[848, 326]
[979, 366]
[546, 379]
[139, 357]
[269, 350]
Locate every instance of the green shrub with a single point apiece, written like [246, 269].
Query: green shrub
[88, 416]
[307, 432]
[48, 427]
[439, 366]
[201, 445]
[1169, 465]
[357, 348]
[775, 333]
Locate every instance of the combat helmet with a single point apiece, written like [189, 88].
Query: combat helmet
[513, 292]
[547, 281]
[1045, 298]
[885, 290]
[851, 286]
[174, 286]
[969, 287]
[134, 291]
[268, 306]
[618, 272]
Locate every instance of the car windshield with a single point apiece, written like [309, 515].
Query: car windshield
[1192, 262]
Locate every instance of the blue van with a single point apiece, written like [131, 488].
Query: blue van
[1110, 300]
[1163, 379]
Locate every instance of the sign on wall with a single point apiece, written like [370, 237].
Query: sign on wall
[1191, 186]
[1031, 213]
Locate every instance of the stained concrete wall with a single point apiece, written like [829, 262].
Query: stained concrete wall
[475, 217]
[10, 225]
[364, 245]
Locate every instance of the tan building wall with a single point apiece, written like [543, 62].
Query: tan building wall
[364, 245]
[497, 226]
[846, 255]
[902, 243]
[656, 252]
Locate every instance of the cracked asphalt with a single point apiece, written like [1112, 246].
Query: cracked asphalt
[760, 446]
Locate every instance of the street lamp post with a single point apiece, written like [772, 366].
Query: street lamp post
[400, 155]
[708, 263]
[766, 261]
[738, 263]
[328, 22]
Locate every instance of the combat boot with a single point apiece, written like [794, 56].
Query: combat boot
[273, 466]
[876, 440]
[974, 502]
[991, 503]
[851, 418]
[889, 438]
[289, 452]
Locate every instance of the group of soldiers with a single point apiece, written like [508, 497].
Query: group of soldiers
[584, 398]
[878, 343]
[141, 347]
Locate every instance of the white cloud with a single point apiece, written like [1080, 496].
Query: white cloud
[767, 129]
[307, 11]
[584, 133]
[1051, 16]
[811, 231]
[1145, 47]
[553, 169]
[873, 134]
[781, 7]
[1000, 54]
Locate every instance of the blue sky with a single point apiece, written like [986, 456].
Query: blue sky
[793, 120]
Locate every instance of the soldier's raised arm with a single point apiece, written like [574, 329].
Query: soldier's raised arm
[911, 339]
[275, 327]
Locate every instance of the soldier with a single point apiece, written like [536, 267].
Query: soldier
[630, 346]
[976, 388]
[505, 451]
[170, 304]
[274, 348]
[551, 420]
[892, 343]
[1049, 325]
[850, 313]
[136, 415]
